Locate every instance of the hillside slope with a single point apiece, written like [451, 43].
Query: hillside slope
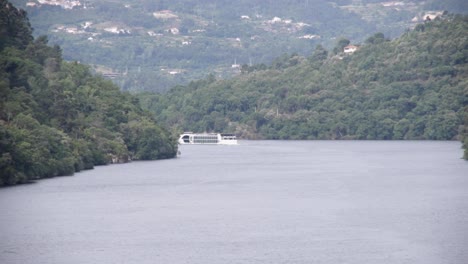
[413, 87]
[153, 45]
[57, 118]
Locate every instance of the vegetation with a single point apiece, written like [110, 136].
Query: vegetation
[153, 45]
[413, 87]
[56, 118]
[465, 125]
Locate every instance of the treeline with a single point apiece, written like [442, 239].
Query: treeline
[465, 128]
[413, 87]
[57, 118]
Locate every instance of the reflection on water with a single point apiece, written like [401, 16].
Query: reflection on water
[258, 202]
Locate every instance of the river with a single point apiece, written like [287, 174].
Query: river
[335, 202]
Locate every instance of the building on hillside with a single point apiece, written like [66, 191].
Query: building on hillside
[174, 31]
[350, 49]
[165, 15]
[275, 20]
[309, 36]
[432, 15]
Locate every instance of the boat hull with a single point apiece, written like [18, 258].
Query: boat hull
[189, 138]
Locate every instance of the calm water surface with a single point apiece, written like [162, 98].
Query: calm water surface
[259, 202]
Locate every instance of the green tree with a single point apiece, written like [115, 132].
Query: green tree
[341, 43]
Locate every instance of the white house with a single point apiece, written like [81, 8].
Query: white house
[174, 31]
[350, 49]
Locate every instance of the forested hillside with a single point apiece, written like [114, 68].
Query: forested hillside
[413, 87]
[465, 128]
[154, 44]
[56, 118]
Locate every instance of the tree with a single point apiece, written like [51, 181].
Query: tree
[377, 38]
[15, 29]
[319, 55]
[342, 42]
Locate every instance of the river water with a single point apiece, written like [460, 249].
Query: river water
[259, 202]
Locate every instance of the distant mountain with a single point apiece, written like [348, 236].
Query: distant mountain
[153, 45]
[412, 87]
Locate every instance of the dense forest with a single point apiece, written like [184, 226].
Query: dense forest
[464, 133]
[57, 118]
[412, 87]
[465, 128]
[154, 44]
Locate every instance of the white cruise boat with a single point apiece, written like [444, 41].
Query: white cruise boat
[208, 138]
